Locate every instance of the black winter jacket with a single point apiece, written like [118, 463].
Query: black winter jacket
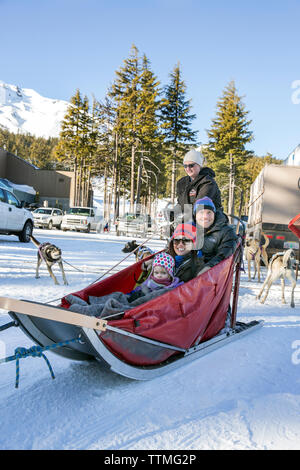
[219, 241]
[204, 184]
[190, 266]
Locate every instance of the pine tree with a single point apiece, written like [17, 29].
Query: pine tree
[176, 122]
[124, 92]
[76, 144]
[228, 136]
[135, 93]
[148, 131]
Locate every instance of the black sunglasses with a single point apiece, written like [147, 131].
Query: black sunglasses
[182, 240]
[190, 165]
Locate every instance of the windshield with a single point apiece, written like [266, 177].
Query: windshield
[43, 211]
[79, 211]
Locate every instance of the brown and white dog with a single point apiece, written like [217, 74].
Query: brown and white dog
[51, 254]
[281, 266]
[254, 251]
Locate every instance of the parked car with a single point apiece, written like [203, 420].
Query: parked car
[134, 224]
[47, 217]
[14, 218]
[82, 219]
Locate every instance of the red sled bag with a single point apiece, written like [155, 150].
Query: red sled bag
[191, 313]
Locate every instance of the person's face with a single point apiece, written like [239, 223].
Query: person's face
[192, 169]
[159, 272]
[205, 218]
[182, 246]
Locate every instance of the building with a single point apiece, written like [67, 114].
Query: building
[56, 187]
[294, 157]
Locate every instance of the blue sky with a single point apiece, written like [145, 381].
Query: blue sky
[57, 46]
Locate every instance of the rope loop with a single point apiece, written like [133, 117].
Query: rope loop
[36, 351]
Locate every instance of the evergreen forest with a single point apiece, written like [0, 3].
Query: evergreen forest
[134, 138]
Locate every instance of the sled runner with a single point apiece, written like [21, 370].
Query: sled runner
[150, 339]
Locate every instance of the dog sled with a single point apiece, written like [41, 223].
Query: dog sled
[148, 340]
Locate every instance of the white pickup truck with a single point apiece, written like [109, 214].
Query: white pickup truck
[14, 218]
[82, 219]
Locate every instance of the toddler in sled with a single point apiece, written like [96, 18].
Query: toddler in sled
[160, 279]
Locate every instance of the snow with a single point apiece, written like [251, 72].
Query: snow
[6, 184]
[245, 395]
[24, 110]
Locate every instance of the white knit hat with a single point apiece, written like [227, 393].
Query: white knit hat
[194, 156]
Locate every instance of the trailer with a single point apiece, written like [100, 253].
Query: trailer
[274, 201]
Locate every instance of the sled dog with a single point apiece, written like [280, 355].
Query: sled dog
[281, 266]
[254, 251]
[141, 253]
[51, 254]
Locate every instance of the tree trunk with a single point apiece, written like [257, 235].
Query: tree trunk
[74, 202]
[173, 180]
[105, 209]
[87, 194]
[138, 189]
[115, 178]
[231, 188]
[132, 179]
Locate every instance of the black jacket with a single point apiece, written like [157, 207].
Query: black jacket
[219, 241]
[204, 184]
[190, 265]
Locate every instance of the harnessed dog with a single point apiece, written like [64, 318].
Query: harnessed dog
[51, 254]
[281, 266]
[254, 251]
[141, 252]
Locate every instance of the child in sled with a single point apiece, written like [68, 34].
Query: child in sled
[161, 277]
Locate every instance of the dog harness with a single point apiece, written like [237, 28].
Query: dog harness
[142, 251]
[42, 252]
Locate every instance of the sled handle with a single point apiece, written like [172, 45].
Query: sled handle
[49, 312]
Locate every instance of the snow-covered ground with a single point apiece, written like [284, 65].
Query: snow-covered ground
[243, 396]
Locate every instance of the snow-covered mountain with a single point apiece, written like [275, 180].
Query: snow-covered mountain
[24, 110]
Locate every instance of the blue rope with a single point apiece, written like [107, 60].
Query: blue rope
[35, 351]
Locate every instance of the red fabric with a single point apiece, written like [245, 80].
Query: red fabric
[294, 225]
[189, 314]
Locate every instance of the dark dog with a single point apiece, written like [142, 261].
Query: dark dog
[141, 251]
[51, 254]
